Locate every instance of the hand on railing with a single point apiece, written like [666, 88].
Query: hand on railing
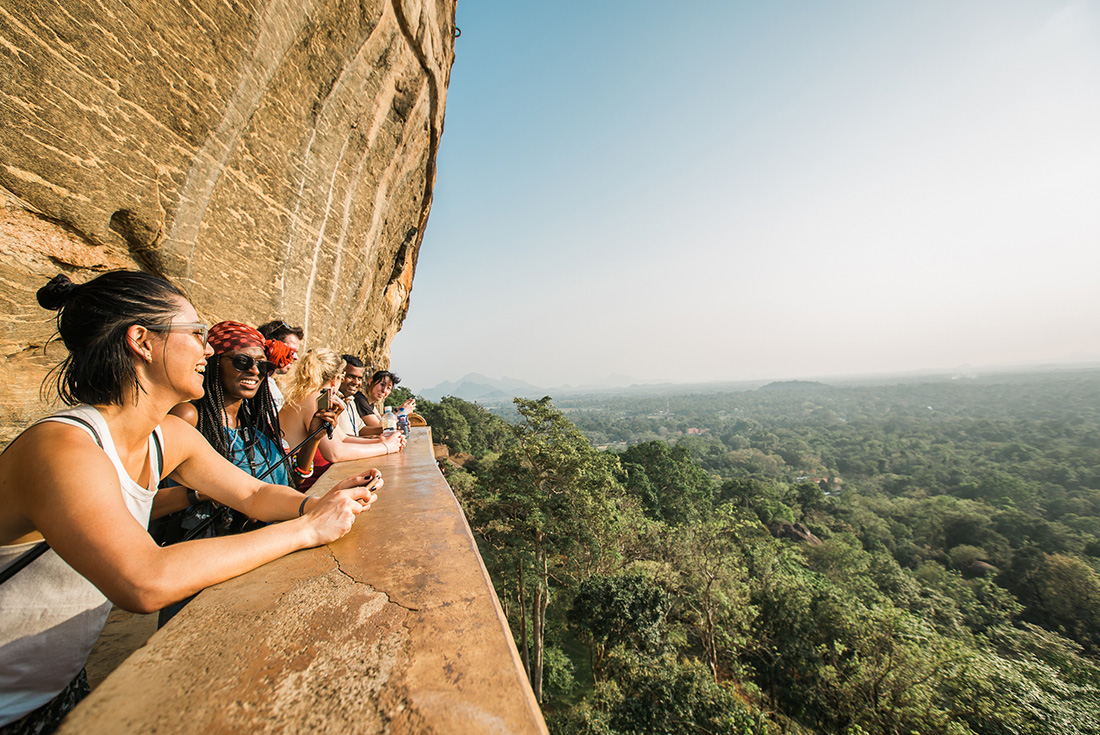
[394, 441]
[333, 514]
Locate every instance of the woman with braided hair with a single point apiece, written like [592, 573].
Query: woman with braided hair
[237, 415]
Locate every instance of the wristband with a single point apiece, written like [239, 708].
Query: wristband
[302, 507]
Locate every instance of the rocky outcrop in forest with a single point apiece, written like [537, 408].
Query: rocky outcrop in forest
[274, 158]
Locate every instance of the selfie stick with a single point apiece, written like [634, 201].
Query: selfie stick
[325, 426]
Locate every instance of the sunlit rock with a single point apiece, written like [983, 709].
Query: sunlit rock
[271, 157]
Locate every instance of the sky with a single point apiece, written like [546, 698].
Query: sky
[632, 191]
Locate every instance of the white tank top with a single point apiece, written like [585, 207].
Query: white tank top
[51, 616]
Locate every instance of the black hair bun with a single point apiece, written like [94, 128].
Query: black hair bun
[56, 293]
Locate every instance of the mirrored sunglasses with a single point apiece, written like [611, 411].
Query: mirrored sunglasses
[244, 363]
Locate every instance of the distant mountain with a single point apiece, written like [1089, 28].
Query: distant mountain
[480, 388]
[489, 391]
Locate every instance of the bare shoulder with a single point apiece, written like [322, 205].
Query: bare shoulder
[187, 412]
[174, 426]
[302, 411]
[39, 446]
[39, 471]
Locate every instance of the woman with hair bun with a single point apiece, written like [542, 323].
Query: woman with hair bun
[84, 480]
[320, 370]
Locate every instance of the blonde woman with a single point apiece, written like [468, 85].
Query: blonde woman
[319, 370]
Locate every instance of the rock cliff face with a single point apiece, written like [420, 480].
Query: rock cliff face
[274, 158]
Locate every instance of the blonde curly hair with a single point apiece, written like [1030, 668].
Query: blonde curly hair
[316, 367]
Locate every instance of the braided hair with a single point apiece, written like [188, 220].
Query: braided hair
[256, 417]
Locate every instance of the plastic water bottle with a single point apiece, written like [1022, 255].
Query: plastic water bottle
[403, 421]
[389, 421]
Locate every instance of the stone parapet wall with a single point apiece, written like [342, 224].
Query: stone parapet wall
[271, 157]
[394, 628]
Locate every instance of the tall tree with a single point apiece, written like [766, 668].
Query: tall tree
[712, 580]
[613, 611]
[552, 502]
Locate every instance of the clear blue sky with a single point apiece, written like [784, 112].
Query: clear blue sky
[733, 190]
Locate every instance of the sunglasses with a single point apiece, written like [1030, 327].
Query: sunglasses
[244, 363]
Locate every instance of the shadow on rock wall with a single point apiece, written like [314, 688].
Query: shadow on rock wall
[270, 157]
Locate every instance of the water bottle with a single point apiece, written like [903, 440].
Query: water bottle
[389, 421]
[403, 422]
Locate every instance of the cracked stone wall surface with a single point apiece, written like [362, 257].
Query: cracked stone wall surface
[393, 629]
[274, 158]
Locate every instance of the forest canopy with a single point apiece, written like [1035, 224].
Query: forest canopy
[807, 558]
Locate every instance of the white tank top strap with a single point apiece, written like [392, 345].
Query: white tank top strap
[138, 499]
[52, 615]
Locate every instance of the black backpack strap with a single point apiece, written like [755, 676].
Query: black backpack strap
[27, 557]
[83, 422]
[160, 453]
[23, 560]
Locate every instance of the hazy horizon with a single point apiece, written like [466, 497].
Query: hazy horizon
[969, 371]
[749, 191]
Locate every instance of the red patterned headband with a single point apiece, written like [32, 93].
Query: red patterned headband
[226, 336]
[279, 353]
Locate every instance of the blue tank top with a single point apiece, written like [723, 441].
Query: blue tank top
[264, 454]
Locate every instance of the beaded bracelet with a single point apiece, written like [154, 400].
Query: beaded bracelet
[302, 473]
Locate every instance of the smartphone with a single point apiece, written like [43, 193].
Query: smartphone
[323, 401]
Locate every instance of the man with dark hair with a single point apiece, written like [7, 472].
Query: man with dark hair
[354, 370]
[291, 337]
[278, 329]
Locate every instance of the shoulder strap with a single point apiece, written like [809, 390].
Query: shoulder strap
[158, 469]
[36, 551]
[87, 424]
[23, 560]
[160, 453]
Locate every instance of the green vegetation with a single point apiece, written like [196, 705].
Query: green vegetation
[916, 558]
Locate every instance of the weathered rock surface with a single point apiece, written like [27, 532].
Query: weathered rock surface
[393, 629]
[275, 158]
